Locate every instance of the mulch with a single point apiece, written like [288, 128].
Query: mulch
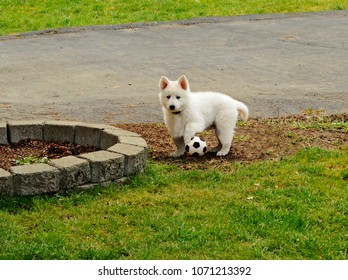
[38, 148]
[255, 140]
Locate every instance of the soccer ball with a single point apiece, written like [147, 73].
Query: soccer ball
[196, 147]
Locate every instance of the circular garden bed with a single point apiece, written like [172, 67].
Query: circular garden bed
[116, 154]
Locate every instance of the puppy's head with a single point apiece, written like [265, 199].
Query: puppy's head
[174, 94]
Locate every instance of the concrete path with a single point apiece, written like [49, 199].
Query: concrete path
[276, 64]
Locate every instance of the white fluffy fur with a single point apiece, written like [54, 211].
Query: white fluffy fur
[187, 113]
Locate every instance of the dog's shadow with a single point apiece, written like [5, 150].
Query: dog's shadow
[207, 160]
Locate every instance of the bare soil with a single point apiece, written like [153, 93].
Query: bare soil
[37, 148]
[257, 139]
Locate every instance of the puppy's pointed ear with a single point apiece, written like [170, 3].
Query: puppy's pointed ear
[163, 83]
[183, 82]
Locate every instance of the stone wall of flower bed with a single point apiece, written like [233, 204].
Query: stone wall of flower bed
[120, 154]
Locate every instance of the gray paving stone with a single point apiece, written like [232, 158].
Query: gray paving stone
[118, 182]
[105, 166]
[59, 131]
[122, 132]
[73, 171]
[135, 160]
[35, 179]
[20, 130]
[101, 126]
[109, 137]
[88, 135]
[136, 141]
[6, 183]
[3, 133]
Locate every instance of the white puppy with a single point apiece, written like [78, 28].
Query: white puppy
[187, 113]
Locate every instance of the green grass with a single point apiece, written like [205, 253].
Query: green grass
[29, 15]
[295, 208]
[30, 160]
[319, 120]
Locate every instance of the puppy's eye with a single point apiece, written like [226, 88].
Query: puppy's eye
[178, 97]
[168, 96]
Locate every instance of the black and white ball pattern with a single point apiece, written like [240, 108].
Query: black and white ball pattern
[196, 147]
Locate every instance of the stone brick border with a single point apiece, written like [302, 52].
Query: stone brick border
[121, 153]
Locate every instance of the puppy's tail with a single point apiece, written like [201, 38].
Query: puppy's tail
[243, 110]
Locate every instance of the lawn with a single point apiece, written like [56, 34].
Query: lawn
[29, 15]
[284, 207]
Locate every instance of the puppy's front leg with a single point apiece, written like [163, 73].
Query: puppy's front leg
[190, 131]
[180, 147]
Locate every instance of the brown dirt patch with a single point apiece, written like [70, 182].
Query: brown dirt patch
[37, 148]
[257, 139]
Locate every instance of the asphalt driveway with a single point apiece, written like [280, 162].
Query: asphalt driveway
[277, 64]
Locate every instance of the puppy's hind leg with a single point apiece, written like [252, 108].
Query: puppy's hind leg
[225, 125]
[180, 147]
[226, 141]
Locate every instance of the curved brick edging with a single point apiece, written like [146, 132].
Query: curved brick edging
[121, 154]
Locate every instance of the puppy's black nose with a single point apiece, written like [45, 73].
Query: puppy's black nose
[172, 107]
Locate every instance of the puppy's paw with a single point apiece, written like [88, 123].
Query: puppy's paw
[177, 154]
[221, 153]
